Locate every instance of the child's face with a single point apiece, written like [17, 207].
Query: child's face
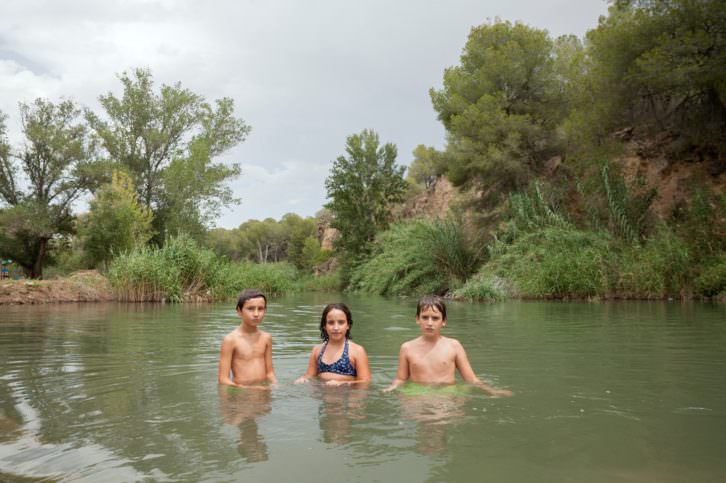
[430, 321]
[336, 324]
[253, 311]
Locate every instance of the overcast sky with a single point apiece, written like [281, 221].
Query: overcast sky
[304, 74]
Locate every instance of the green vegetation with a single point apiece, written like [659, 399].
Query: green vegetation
[417, 257]
[56, 159]
[166, 141]
[115, 223]
[659, 65]
[182, 270]
[500, 108]
[293, 239]
[425, 167]
[362, 187]
[542, 255]
[329, 282]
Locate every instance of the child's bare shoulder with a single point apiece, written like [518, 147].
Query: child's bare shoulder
[406, 346]
[452, 343]
[411, 345]
[232, 336]
[356, 347]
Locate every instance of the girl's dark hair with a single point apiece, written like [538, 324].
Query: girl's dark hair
[339, 306]
[431, 301]
[247, 294]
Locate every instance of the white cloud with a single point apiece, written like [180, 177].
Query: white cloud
[295, 186]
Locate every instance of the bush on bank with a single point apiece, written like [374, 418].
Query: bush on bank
[417, 257]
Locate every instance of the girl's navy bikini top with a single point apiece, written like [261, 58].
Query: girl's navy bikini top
[341, 366]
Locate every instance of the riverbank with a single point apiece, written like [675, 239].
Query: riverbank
[82, 286]
[91, 286]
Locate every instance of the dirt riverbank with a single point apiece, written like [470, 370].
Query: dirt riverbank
[83, 286]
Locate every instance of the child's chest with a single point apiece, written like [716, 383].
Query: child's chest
[247, 349]
[435, 361]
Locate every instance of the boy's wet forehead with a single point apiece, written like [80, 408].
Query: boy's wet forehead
[432, 308]
[255, 301]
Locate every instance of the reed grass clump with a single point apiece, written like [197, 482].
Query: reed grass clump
[662, 267]
[420, 256]
[271, 278]
[182, 270]
[143, 275]
[329, 282]
[553, 263]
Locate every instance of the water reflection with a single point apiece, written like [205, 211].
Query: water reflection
[241, 408]
[339, 406]
[11, 420]
[434, 414]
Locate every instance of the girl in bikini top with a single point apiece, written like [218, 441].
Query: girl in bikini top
[352, 365]
[341, 366]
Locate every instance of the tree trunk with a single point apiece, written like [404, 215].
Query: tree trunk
[37, 270]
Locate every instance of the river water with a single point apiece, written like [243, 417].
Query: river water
[604, 392]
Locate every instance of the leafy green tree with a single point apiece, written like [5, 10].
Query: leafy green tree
[501, 107]
[56, 161]
[426, 165]
[167, 141]
[225, 243]
[312, 254]
[116, 222]
[660, 64]
[298, 231]
[265, 240]
[361, 188]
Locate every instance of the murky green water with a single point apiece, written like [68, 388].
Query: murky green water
[603, 393]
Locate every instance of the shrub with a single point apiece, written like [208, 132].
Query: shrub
[712, 280]
[483, 287]
[421, 256]
[330, 282]
[270, 278]
[660, 268]
[554, 262]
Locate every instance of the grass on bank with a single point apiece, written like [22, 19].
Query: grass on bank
[571, 263]
[182, 270]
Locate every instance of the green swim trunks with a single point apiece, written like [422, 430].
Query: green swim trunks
[415, 389]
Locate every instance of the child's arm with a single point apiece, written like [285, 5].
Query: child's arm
[312, 367]
[225, 362]
[402, 373]
[362, 369]
[467, 373]
[268, 362]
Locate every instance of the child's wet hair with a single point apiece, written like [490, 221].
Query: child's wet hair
[339, 306]
[247, 294]
[431, 302]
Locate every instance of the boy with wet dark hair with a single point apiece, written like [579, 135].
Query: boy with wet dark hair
[432, 358]
[247, 351]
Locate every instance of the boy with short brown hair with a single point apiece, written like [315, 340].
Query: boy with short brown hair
[432, 358]
[247, 351]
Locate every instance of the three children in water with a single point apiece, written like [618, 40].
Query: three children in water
[431, 358]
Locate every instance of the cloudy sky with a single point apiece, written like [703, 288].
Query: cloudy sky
[303, 74]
